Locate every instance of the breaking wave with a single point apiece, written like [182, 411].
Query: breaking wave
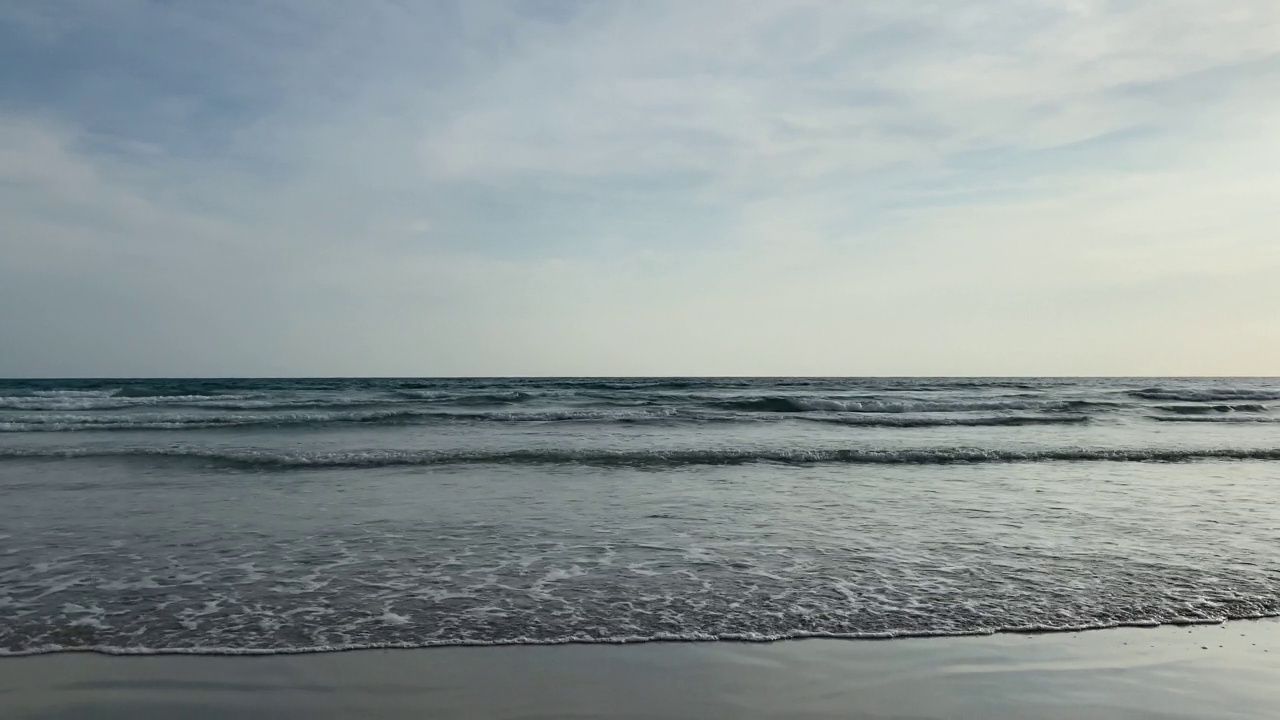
[1209, 409]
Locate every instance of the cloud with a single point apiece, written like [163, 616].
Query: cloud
[691, 188]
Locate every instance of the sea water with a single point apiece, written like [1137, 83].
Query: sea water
[256, 516]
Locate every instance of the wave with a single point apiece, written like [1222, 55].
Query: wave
[691, 636]
[453, 398]
[90, 403]
[922, 422]
[75, 393]
[1227, 420]
[605, 416]
[64, 401]
[1214, 395]
[785, 404]
[157, 421]
[793, 396]
[1208, 409]
[407, 416]
[425, 395]
[241, 403]
[179, 391]
[658, 383]
[283, 460]
[260, 401]
[412, 416]
[133, 397]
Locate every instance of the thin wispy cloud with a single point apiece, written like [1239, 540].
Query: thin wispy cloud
[639, 188]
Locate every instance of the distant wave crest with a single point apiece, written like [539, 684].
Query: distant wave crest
[1207, 395]
[413, 416]
[268, 459]
[787, 404]
[64, 400]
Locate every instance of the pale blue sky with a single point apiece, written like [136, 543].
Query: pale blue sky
[308, 187]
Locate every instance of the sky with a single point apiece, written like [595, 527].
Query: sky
[896, 187]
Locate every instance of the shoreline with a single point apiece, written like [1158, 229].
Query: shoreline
[1222, 670]
[115, 651]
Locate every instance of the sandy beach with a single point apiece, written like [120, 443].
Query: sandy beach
[1214, 671]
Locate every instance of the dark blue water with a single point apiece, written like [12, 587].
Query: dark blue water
[294, 515]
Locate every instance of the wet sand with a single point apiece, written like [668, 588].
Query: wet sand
[1215, 671]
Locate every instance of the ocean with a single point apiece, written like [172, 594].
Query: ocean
[271, 516]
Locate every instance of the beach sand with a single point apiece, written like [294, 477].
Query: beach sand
[1213, 671]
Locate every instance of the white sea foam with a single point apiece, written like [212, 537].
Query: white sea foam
[582, 639]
